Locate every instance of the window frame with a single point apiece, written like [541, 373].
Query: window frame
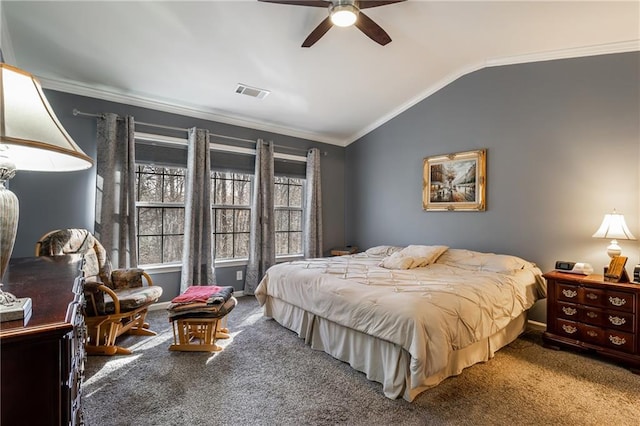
[173, 142]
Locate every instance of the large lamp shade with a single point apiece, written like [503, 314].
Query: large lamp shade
[31, 138]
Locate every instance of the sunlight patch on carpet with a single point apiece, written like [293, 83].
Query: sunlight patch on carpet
[110, 367]
[251, 319]
[153, 341]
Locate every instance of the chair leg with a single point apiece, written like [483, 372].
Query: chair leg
[103, 332]
[107, 350]
[139, 327]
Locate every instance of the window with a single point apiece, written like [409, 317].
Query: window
[160, 210]
[231, 198]
[160, 197]
[288, 215]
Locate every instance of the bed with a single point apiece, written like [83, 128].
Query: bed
[407, 317]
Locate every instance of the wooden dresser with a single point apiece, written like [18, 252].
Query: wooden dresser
[42, 362]
[588, 313]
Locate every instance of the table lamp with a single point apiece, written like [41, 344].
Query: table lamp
[31, 138]
[615, 228]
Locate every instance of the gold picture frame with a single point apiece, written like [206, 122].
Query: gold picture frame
[455, 182]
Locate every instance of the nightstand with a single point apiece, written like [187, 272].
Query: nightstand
[343, 251]
[588, 313]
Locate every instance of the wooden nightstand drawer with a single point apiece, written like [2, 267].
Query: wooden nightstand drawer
[609, 319]
[568, 292]
[569, 329]
[608, 299]
[569, 311]
[620, 341]
[594, 335]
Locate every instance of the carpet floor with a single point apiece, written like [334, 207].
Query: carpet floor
[266, 375]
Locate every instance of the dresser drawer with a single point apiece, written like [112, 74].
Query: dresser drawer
[568, 292]
[594, 335]
[569, 311]
[617, 320]
[620, 341]
[569, 329]
[610, 299]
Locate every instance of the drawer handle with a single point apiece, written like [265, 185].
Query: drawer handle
[617, 320]
[592, 333]
[617, 340]
[569, 293]
[592, 296]
[569, 311]
[616, 301]
[592, 314]
[569, 328]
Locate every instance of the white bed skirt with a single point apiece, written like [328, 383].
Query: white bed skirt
[382, 361]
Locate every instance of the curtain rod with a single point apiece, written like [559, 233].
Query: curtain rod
[181, 129]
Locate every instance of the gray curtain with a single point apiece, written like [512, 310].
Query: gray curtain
[262, 248]
[115, 223]
[313, 207]
[198, 249]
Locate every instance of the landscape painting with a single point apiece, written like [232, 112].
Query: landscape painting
[455, 182]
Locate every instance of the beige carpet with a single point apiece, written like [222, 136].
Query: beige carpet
[266, 375]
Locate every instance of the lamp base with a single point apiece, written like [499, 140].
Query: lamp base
[614, 249]
[9, 210]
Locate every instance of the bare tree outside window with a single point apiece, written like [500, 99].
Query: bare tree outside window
[232, 212]
[160, 209]
[288, 215]
[160, 195]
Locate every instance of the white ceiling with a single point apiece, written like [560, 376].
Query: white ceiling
[187, 57]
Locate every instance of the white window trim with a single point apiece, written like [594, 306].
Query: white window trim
[152, 139]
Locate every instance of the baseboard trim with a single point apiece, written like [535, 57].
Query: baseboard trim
[537, 324]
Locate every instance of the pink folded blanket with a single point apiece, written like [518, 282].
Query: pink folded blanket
[197, 293]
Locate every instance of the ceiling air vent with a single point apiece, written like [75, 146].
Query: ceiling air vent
[254, 92]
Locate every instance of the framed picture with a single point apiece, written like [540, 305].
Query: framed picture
[455, 182]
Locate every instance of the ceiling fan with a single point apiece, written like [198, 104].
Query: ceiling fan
[344, 13]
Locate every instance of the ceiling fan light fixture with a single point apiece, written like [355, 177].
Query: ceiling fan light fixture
[344, 15]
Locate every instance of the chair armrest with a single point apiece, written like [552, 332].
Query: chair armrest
[95, 287]
[148, 278]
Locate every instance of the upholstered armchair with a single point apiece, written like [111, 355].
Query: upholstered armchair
[116, 301]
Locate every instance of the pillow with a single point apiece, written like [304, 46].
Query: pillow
[382, 250]
[429, 254]
[412, 257]
[396, 261]
[477, 261]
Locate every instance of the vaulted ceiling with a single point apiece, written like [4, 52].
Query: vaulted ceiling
[188, 57]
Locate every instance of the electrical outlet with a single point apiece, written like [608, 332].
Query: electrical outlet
[238, 275]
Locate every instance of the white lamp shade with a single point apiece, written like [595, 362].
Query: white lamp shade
[30, 133]
[614, 227]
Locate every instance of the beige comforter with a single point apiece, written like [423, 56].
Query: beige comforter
[428, 311]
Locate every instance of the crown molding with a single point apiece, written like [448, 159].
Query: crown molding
[107, 94]
[577, 52]
[602, 49]
[144, 102]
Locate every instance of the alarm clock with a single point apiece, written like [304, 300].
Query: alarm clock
[565, 266]
[580, 268]
[636, 274]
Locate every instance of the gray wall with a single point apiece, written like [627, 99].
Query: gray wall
[66, 200]
[563, 149]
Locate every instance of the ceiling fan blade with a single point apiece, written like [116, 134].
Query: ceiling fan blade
[367, 4]
[312, 3]
[372, 30]
[320, 30]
